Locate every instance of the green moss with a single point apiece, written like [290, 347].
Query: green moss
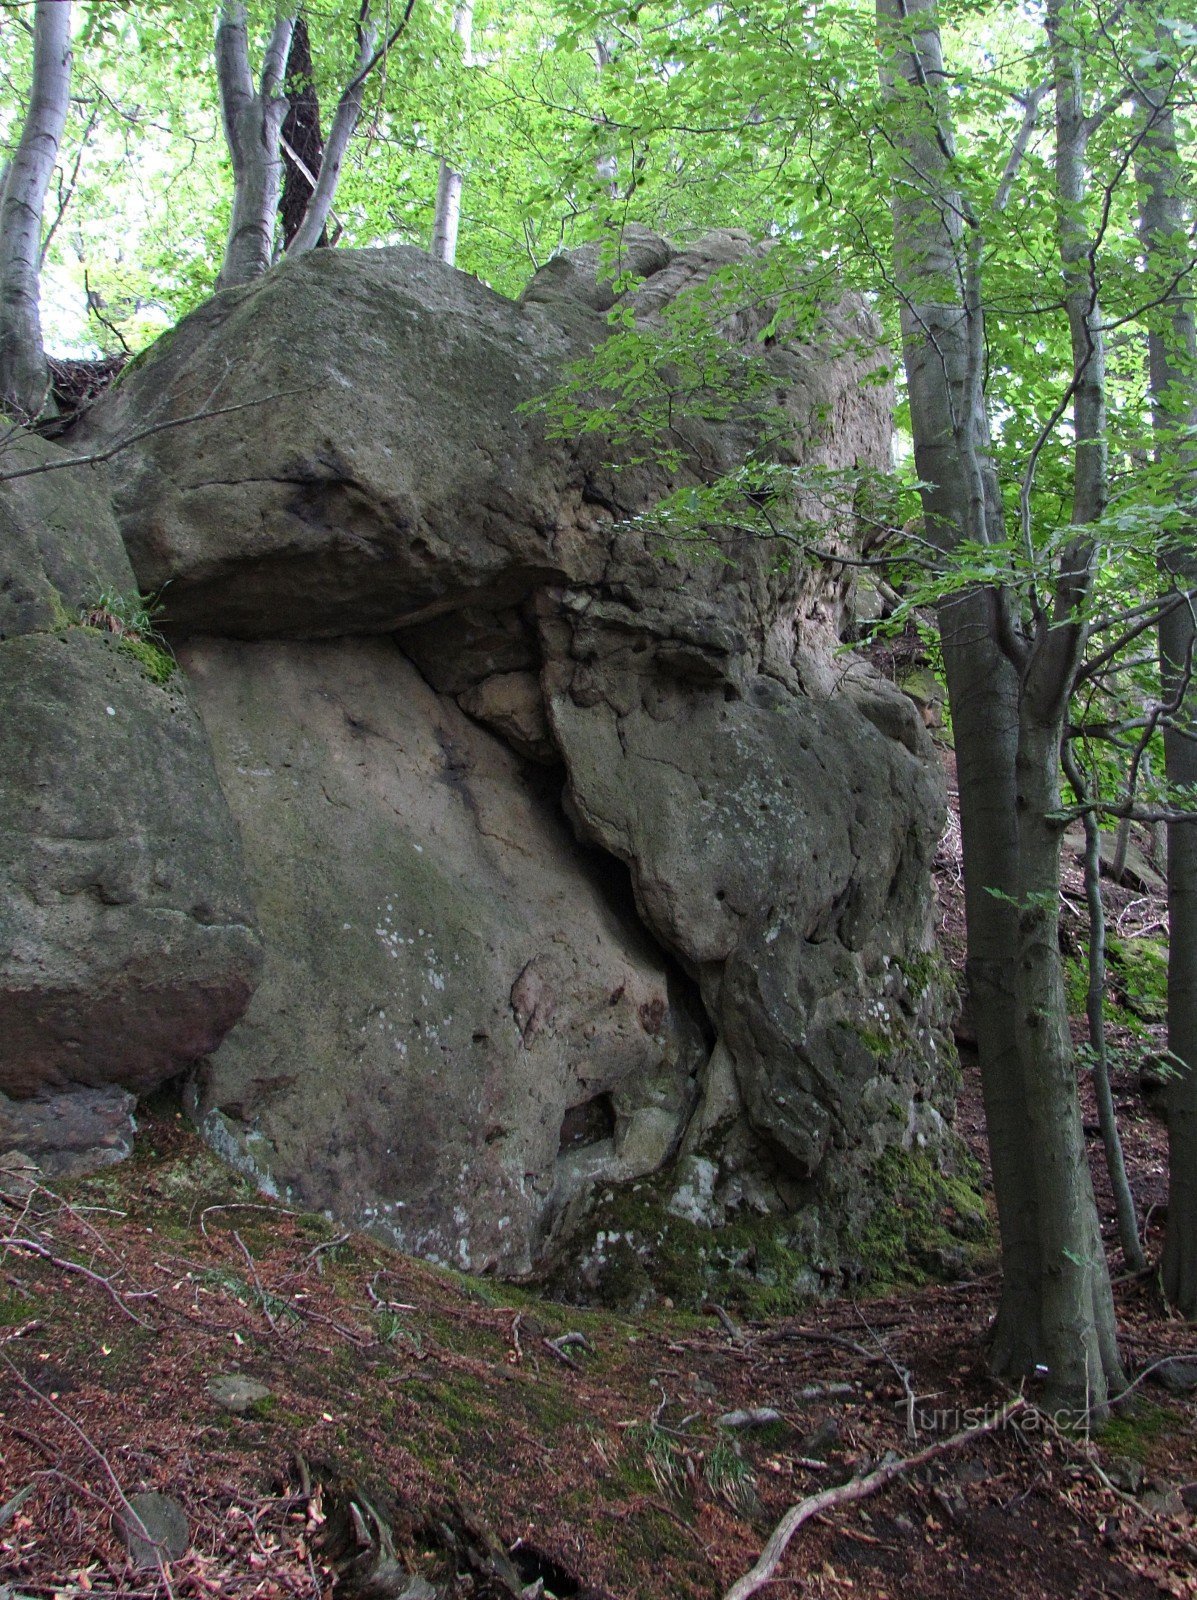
[925, 970]
[932, 1219]
[762, 1265]
[1132, 1433]
[1137, 969]
[15, 1308]
[143, 356]
[922, 1223]
[62, 617]
[1140, 967]
[877, 1044]
[157, 664]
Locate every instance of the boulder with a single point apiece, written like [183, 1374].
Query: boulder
[127, 946]
[594, 866]
[352, 456]
[460, 1022]
[77, 1131]
[153, 1528]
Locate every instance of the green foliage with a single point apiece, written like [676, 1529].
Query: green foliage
[130, 620]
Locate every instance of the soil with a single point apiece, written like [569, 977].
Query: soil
[459, 1427]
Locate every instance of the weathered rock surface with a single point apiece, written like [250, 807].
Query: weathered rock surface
[476, 1016]
[237, 1392]
[126, 940]
[154, 1529]
[79, 1130]
[456, 1022]
[386, 475]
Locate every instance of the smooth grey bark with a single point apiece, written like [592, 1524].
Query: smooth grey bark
[447, 216]
[1008, 695]
[253, 120]
[1172, 346]
[24, 377]
[252, 116]
[950, 425]
[1095, 996]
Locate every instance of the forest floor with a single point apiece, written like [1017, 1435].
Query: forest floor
[498, 1444]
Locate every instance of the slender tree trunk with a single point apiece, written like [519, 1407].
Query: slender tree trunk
[1077, 1334]
[253, 120]
[1095, 1013]
[982, 691]
[950, 428]
[1172, 337]
[301, 141]
[447, 217]
[1056, 1314]
[24, 378]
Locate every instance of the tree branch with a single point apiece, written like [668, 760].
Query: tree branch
[857, 1489]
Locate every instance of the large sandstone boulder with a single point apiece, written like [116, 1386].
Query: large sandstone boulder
[459, 1023]
[358, 461]
[127, 945]
[601, 869]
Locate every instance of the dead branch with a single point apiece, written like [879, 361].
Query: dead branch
[253, 1268]
[127, 1511]
[95, 457]
[814, 1336]
[734, 1331]
[856, 1489]
[37, 1249]
[241, 1205]
[557, 1347]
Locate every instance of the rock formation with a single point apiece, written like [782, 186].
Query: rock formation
[576, 866]
[127, 939]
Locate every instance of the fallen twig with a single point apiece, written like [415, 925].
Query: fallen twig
[252, 1265]
[734, 1331]
[557, 1346]
[903, 1375]
[855, 1489]
[127, 1511]
[37, 1249]
[815, 1336]
[19, 1333]
[241, 1205]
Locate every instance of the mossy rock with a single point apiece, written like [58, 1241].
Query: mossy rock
[907, 1222]
[931, 1224]
[1141, 969]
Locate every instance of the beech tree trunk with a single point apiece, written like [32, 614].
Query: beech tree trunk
[24, 377]
[447, 217]
[1008, 697]
[1095, 1013]
[1172, 341]
[253, 119]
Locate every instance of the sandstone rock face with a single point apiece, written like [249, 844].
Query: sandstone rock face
[590, 866]
[127, 946]
[386, 474]
[457, 1022]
